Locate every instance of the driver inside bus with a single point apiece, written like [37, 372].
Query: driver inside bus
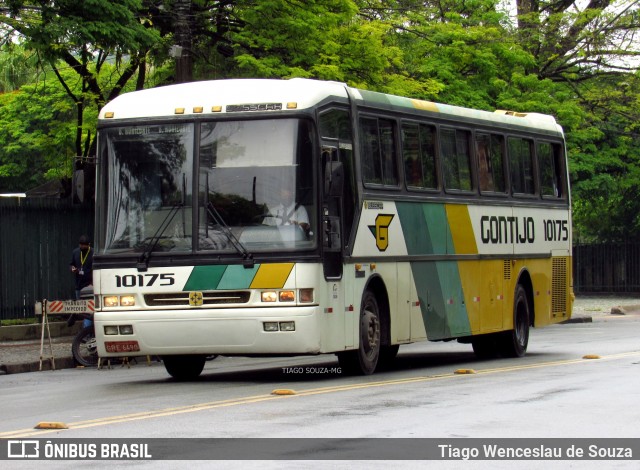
[287, 211]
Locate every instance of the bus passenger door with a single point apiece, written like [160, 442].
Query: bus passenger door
[331, 234]
[338, 211]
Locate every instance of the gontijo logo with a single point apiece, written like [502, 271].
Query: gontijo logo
[381, 230]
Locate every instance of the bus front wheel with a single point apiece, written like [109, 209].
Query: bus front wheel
[186, 367]
[513, 343]
[365, 359]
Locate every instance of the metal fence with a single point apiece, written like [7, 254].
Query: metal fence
[608, 268]
[36, 239]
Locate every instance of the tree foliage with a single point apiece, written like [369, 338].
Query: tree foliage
[42, 146]
[82, 36]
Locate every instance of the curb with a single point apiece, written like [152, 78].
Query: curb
[580, 319]
[61, 363]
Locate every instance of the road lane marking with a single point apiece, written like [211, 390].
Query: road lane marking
[310, 392]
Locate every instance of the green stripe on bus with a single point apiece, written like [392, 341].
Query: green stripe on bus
[205, 278]
[425, 228]
[441, 299]
[427, 232]
[237, 277]
[425, 275]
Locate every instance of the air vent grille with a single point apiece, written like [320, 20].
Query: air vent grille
[506, 268]
[559, 286]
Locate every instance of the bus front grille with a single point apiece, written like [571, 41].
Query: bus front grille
[181, 299]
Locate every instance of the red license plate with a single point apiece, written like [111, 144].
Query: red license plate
[121, 346]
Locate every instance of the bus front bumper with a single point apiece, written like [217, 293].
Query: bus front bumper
[269, 331]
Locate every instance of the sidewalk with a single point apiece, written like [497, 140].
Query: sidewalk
[24, 355]
[19, 354]
[586, 308]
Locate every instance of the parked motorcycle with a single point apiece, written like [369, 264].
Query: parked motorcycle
[84, 347]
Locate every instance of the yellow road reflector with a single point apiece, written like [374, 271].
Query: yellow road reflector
[590, 356]
[51, 425]
[283, 391]
[464, 371]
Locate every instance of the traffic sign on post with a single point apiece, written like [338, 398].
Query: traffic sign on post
[57, 307]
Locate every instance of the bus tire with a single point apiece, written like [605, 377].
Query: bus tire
[185, 367]
[513, 343]
[364, 360]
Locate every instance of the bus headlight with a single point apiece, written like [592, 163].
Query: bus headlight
[110, 330]
[270, 326]
[126, 329]
[287, 296]
[121, 301]
[269, 296]
[287, 326]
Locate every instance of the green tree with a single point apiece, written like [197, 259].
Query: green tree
[461, 47]
[83, 36]
[322, 39]
[17, 67]
[37, 129]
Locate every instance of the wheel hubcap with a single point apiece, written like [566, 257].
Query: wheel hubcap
[370, 331]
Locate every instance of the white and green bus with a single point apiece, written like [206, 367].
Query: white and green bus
[292, 217]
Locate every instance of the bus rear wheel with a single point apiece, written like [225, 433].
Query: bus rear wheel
[185, 367]
[365, 359]
[513, 343]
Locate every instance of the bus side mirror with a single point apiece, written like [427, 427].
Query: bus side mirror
[333, 179]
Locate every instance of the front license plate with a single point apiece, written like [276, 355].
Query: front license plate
[121, 346]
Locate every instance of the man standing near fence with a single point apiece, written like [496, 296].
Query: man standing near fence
[82, 264]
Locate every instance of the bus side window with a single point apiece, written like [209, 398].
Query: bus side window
[521, 165]
[549, 160]
[456, 160]
[371, 165]
[335, 124]
[489, 148]
[418, 152]
[379, 152]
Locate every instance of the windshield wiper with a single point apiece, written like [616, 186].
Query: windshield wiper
[247, 258]
[143, 261]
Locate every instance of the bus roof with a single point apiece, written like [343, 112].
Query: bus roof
[248, 95]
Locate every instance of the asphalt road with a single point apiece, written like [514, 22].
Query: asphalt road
[552, 392]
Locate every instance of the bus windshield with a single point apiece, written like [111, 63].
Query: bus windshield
[253, 190]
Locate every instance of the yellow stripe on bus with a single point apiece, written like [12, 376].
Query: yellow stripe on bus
[461, 230]
[425, 105]
[271, 276]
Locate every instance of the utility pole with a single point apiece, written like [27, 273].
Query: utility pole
[182, 48]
